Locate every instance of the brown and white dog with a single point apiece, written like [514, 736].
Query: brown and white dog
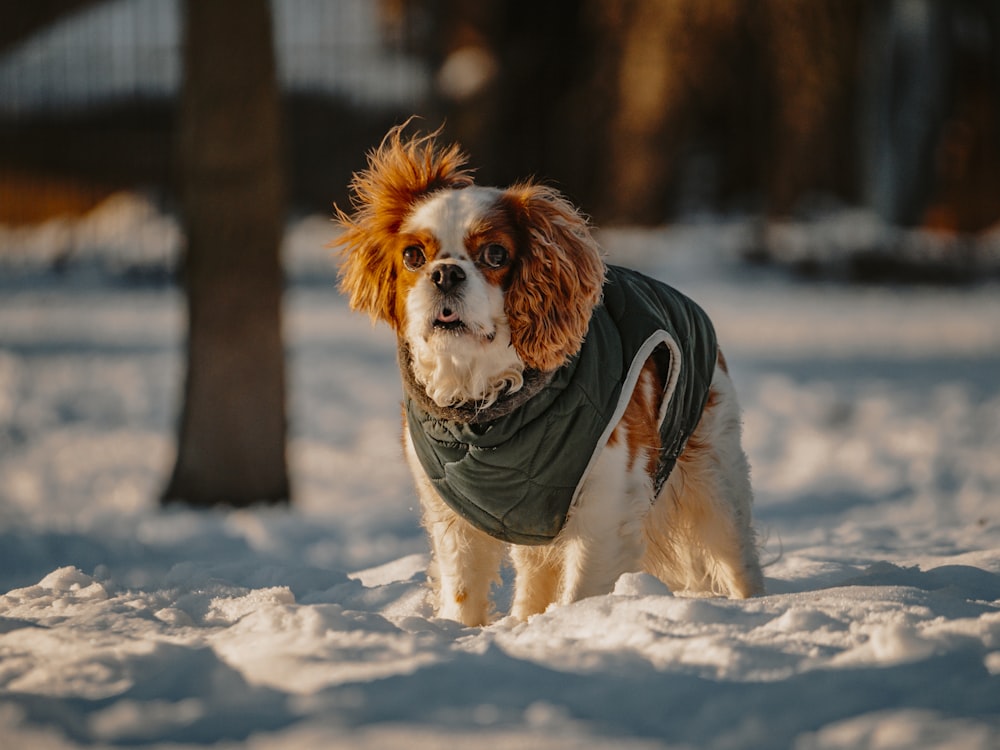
[484, 286]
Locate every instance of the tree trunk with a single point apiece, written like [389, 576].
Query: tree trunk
[231, 446]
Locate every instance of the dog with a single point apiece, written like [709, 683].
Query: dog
[572, 414]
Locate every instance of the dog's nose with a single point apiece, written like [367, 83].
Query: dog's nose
[447, 276]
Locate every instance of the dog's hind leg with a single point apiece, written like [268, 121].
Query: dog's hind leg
[699, 534]
[603, 536]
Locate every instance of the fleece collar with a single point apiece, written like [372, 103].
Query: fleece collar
[472, 413]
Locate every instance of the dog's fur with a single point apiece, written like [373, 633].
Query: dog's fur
[414, 254]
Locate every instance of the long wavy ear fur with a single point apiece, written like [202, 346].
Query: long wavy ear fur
[400, 171]
[558, 278]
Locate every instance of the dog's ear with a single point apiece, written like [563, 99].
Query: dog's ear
[400, 172]
[557, 279]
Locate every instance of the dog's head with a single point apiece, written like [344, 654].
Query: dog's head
[481, 282]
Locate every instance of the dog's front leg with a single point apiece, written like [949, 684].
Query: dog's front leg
[465, 562]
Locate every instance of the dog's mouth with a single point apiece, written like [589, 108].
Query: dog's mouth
[449, 320]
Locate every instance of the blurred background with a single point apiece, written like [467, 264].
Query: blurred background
[643, 112]
[822, 176]
[848, 141]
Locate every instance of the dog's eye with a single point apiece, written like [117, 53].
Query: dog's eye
[494, 256]
[413, 257]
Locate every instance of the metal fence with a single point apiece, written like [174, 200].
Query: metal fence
[87, 104]
[125, 49]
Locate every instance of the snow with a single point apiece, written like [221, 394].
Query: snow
[872, 419]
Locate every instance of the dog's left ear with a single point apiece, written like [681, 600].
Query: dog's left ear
[558, 277]
[401, 171]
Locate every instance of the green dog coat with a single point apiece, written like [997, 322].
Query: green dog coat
[514, 469]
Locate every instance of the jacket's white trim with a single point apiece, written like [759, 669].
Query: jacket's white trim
[658, 337]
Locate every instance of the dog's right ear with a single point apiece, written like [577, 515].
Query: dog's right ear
[400, 172]
[558, 277]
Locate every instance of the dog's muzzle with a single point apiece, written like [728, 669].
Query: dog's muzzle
[447, 276]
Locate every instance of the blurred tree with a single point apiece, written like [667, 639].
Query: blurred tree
[512, 84]
[642, 109]
[931, 113]
[720, 100]
[231, 446]
[905, 104]
[670, 81]
[810, 52]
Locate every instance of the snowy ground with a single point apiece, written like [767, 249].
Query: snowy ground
[873, 427]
